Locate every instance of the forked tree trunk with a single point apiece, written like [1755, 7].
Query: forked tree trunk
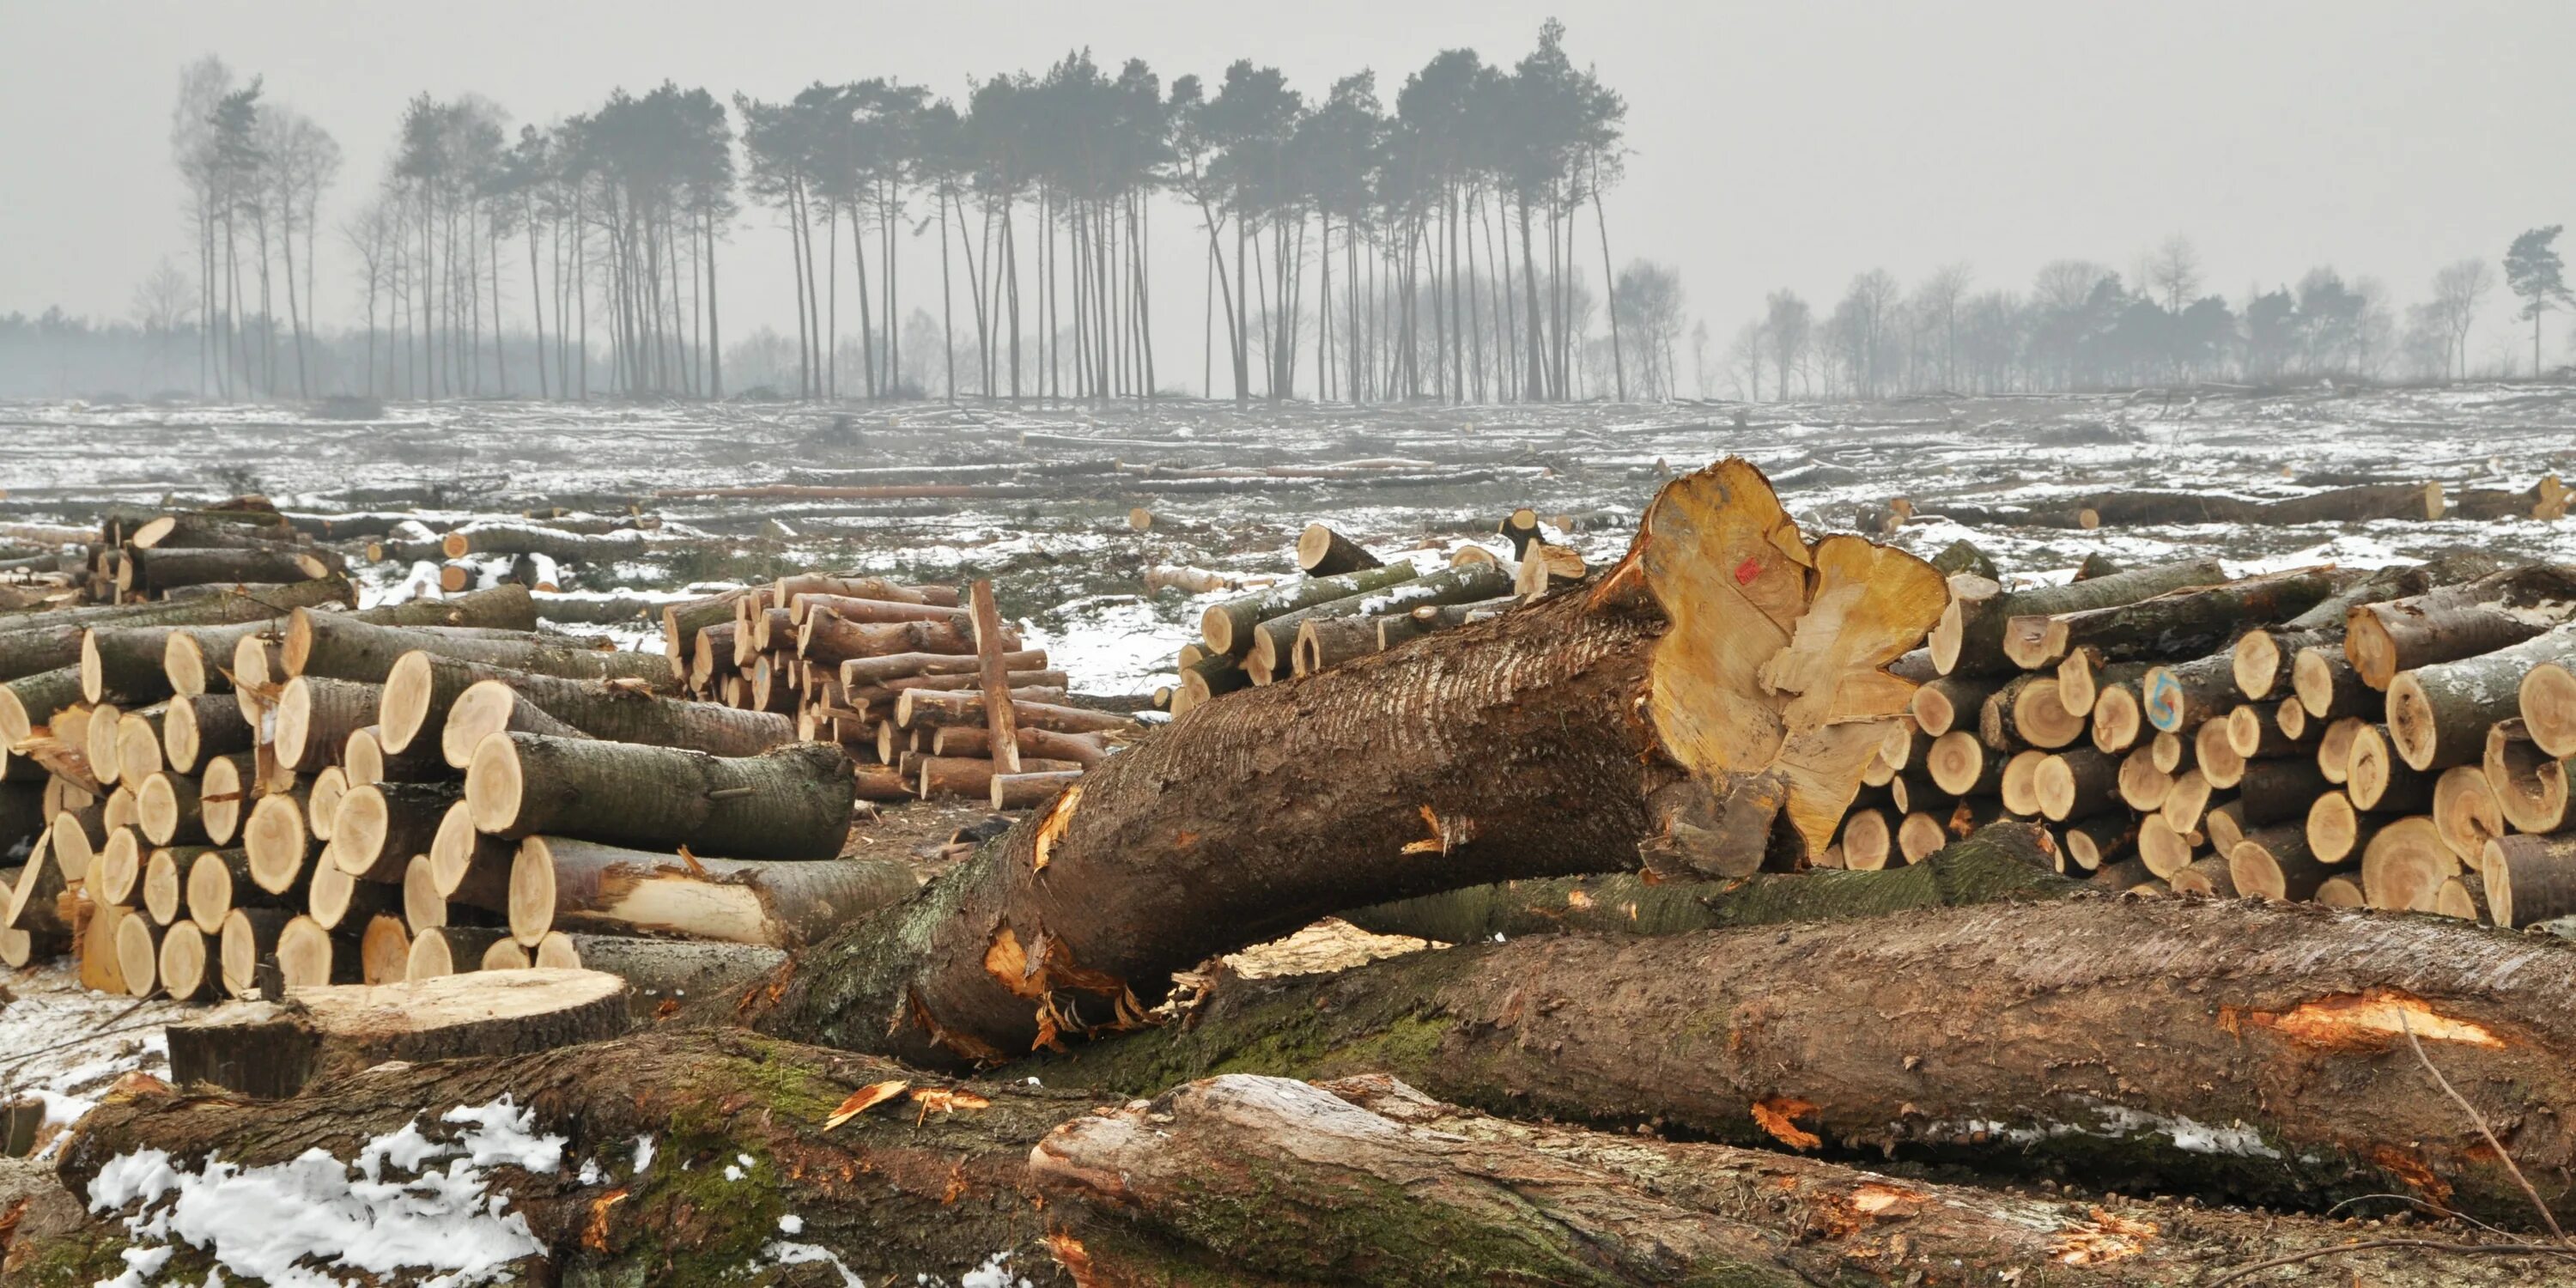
[1690, 701]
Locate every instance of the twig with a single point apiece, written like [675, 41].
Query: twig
[2546, 1217]
[2425, 1245]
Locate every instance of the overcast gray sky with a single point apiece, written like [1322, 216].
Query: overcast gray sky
[1776, 144]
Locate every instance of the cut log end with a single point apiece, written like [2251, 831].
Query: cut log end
[404, 706]
[2257, 664]
[182, 963]
[2548, 707]
[138, 955]
[304, 954]
[493, 782]
[277, 843]
[532, 892]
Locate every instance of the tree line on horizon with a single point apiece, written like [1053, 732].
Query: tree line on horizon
[2083, 326]
[1432, 248]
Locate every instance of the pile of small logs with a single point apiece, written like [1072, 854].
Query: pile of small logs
[932, 696]
[251, 787]
[2398, 739]
[1349, 603]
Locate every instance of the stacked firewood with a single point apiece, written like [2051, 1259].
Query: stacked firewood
[2397, 739]
[406, 792]
[931, 696]
[1349, 603]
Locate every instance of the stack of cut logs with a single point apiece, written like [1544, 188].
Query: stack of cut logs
[1350, 603]
[250, 788]
[2399, 739]
[892, 674]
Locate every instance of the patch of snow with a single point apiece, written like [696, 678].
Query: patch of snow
[643, 1155]
[269, 1222]
[791, 1224]
[994, 1273]
[782, 1253]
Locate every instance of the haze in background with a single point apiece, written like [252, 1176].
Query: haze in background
[1771, 144]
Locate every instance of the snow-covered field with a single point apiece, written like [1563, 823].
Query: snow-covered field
[1070, 567]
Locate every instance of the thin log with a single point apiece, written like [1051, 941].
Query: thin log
[382, 826]
[2438, 715]
[2187, 622]
[320, 644]
[2530, 879]
[2530, 785]
[2458, 621]
[1227, 627]
[1969, 638]
[1322, 552]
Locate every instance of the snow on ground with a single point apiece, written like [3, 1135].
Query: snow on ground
[389, 1210]
[1068, 566]
[67, 1045]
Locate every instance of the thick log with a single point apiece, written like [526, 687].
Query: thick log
[31, 702]
[2179, 698]
[2465, 811]
[1969, 639]
[1939, 704]
[271, 1050]
[186, 654]
[2530, 785]
[315, 717]
[558, 883]
[2404, 865]
[1960, 765]
[2289, 1033]
[2076, 784]
[2457, 621]
[2255, 733]
[2279, 791]
[423, 693]
[2438, 715]
[323, 645]
[278, 840]
[2530, 879]
[381, 827]
[224, 795]
[2337, 831]
[1322, 552]
[217, 882]
[365, 760]
[2275, 863]
[195, 729]
[2378, 780]
[152, 572]
[1690, 698]
[791, 803]
[682, 622]
[2027, 712]
[2179, 623]
[1227, 627]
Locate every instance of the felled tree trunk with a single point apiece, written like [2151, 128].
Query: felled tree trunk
[422, 689]
[345, 650]
[2228, 1050]
[193, 658]
[2009, 860]
[791, 803]
[581, 885]
[1718, 689]
[1366, 1180]
[153, 572]
[2451, 622]
[55, 639]
[1969, 638]
[2184, 622]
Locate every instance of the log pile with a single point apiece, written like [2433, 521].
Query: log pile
[250, 791]
[2358, 740]
[1638, 1064]
[929, 692]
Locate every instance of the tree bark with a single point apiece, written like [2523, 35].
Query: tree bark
[558, 883]
[2180, 623]
[346, 650]
[791, 803]
[1690, 701]
[2438, 715]
[2457, 621]
[423, 692]
[1969, 639]
[2284, 1034]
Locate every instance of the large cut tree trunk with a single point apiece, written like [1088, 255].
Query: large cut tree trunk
[942, 1176]
[1710, 702]
[2250, 1051]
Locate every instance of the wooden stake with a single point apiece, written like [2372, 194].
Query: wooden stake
[998, 724]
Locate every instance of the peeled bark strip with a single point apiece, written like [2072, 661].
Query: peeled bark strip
[2438, 715]
[556, 882]
[331, 646]
[2459, 621]
[791, 803]
[1758, 661]
[268, 1050]
[2185, 622]
[1969, 639]
[2530, 879]
[2286, 1044]
[1227, 628]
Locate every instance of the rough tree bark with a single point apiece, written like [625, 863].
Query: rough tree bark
[1715, 693]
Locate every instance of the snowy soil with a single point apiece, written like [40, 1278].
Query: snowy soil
[1068, 565]
[67, 1046]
